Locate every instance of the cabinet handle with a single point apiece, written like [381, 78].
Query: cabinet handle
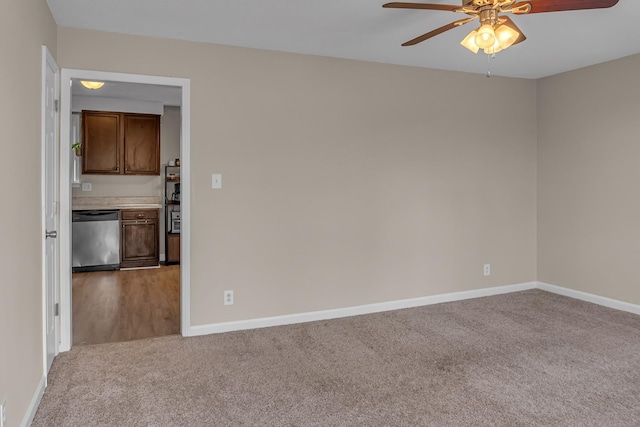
[140, 215]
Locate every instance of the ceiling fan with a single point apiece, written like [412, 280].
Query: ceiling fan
[496, 32]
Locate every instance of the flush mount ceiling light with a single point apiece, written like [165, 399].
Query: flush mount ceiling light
[496, 32]
[91, 85]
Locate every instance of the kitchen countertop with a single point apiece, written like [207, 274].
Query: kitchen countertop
[125, 202]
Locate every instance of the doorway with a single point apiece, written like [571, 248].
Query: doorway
[67, 172]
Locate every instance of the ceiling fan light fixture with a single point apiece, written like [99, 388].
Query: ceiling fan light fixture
[470, 42]
[497, 32]
[91, 85]
[506, 36]
[493, 49]
[486, 37]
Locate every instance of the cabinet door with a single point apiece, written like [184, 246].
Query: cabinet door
[173, 248]
[142, 144]
[101, 146]
[139, 239]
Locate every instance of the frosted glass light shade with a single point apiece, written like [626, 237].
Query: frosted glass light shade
[506, 36]
[470, 43]
[486, 37]
[493, 49]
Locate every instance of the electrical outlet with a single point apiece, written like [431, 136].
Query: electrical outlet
[228, 297]
[86, 186]
[3, 413]
[487, 269]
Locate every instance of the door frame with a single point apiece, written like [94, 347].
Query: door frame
[64, 233]
[49, 62]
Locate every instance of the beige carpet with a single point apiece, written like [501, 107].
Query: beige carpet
[528, 358]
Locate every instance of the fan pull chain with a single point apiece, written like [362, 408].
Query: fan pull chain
[489, 58]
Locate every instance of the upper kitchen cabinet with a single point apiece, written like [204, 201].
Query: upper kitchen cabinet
[141, 144]
[102, 142]
[120, 143]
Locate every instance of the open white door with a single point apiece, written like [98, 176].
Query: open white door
[49, 172]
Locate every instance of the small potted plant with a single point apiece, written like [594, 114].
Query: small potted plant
[77, 147]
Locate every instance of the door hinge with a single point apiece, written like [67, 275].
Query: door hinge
[57, 309]
[56, 105]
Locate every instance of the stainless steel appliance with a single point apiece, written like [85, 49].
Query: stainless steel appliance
[175, 221]
[95, 240]
[175, 197]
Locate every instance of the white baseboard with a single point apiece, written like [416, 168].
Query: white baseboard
[289, 319]
[595, 299]
[35, 402]
[264, 322]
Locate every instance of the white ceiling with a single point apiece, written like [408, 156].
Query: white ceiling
[167, 95]
[362, 29]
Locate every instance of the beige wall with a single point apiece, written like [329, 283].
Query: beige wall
[589, 209]
[345, 182]
[24, 27]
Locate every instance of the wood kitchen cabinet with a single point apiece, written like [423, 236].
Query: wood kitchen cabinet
[101, 142]
[120, 143]
[139, 238]
[173, 248]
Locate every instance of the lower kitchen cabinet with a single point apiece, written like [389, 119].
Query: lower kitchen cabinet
[173, 248]
[139, 238]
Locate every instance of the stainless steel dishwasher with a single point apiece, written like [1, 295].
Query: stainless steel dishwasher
[95, 240]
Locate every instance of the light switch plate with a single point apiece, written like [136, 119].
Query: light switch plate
[216, 181]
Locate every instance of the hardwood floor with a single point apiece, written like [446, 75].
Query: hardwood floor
[113, 306]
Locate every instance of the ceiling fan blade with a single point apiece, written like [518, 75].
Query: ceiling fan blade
[438, 31]
[540, 6]
[400, 5]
